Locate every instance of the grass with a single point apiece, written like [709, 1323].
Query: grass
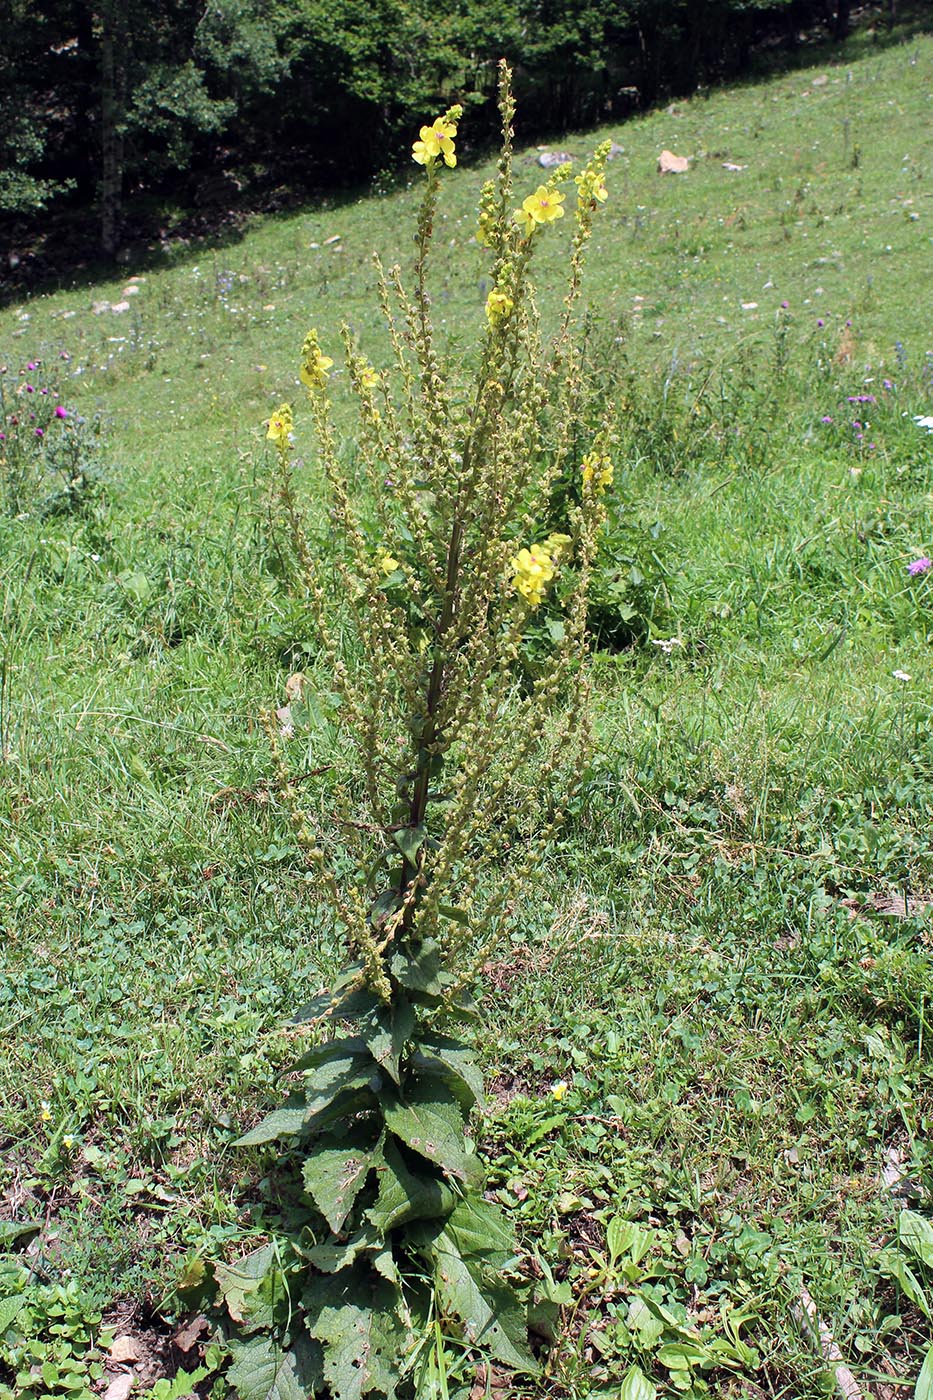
[742, 1056]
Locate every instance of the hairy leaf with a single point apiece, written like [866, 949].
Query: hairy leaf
[386, 1031]
[330, 1258]
[252, 1287]
[359, 1318]
[405, 1195]
[337, 1167]
[265, 1370]
[430, 1121]
[491, 1314]
[453, 1060]
[481, 1231]
[348, 1067]
[421, 971]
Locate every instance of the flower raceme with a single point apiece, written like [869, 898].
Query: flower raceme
[535, 568]
[590, 187]
[499, 307]
[596, 470]
[315, 365]
[281, 425]
[542, 207]
[437, 140]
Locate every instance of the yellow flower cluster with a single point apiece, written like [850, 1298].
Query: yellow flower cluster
[542, 207]
[387, 563]
[315, 365]
[597, 470]
[438, 140]
[281, 425]
[534, 569]
[369, 377]
[499, 306]
[590, 187]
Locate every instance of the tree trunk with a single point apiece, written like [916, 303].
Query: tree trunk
[112, 104]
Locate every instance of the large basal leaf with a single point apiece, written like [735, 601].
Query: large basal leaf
[264, 1370]
[336, 1168]
[349, 1070]
[637, 1386]
[330, 1051]
[430, 1121]
[330, 1258]
[405, 1195]
[251, 1287]
[481, 1231]
[441, 1055]
[924, 1387]
[491, 1314]
[358, 1317]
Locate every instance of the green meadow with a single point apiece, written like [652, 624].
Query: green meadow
[707, 1036]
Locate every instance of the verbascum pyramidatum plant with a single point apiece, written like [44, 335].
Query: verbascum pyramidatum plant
[389, 1257]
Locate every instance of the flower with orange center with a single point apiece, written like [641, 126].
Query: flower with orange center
[436, 140]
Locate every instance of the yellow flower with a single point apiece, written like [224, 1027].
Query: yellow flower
[438, 140]
[597, 471]
[45, 1116]
[369, 377]
[499, 307]
[542, 207]
[559, 1089]
[532, 571]
[68, 1141]
[280, 425]
[387, 564]
[590, 188]
[314, 364]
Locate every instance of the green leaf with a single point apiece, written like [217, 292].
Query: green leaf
[16, 1232]
[405, 1195]
[637, 1386]
[430, 1121]
[409, 840]
[386, 1032]
[915, 1233]
[896, 1267]
[680, 1356]
[264, 1370]
[357, 1318]
[924, 1386]
[458, 916]
[625, 1238]
[283, 1122]
[420, 971]
[481, 1231]
[348, 1066]
[336, 1169]
[491, 1314]
[9, 1307]
[643, 1323]
[330, 1258]
[457, 1058]
[251, 1287]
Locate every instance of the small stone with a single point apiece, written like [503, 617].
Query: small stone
[119, 307]
[124, 1349]
[669, 164]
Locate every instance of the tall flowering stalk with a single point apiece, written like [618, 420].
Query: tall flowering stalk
[445, 555]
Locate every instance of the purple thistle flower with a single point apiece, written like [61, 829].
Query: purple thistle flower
[826, 418]
[32, 365]
[61, 411]
[861, 398]
[887, 384]
[920, 566]
[820, 321]
[785, 305]
[40, 433]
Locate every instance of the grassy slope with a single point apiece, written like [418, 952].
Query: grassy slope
[740, 1054]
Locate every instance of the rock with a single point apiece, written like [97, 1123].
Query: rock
[551, 159]
[119, 307]
[120, 1387]
[730, 165]
[669, 164]
[615, 150]
[124, 1349]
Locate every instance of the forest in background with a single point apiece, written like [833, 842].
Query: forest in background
[115, 115]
